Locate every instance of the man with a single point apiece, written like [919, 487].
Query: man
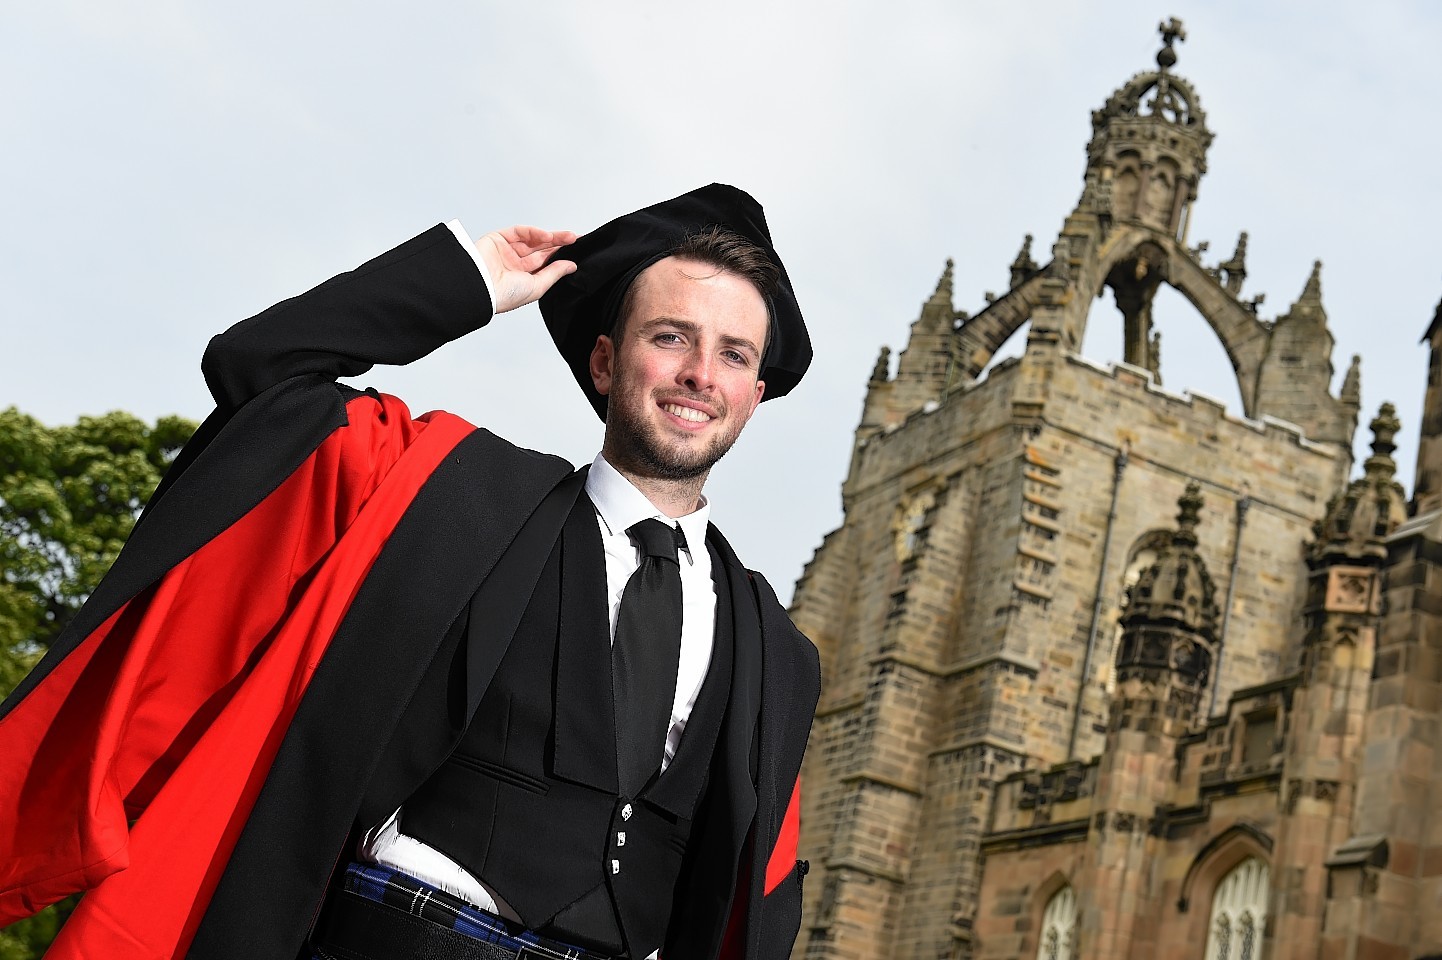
[538, 725]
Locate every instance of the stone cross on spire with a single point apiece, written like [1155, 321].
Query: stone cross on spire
[1171, 32]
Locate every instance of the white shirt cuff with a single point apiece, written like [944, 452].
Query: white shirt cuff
[470, 247]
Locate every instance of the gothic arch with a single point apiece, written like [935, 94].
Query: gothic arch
[1242, 335]
[1047, 889]
[1218, 856]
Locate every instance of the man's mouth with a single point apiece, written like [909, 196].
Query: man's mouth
[686, 413]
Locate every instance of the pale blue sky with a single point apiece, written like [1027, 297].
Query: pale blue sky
[173, 167]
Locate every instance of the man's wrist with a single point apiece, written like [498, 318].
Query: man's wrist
[470, 247]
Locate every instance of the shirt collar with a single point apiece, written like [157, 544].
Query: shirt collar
[621, 505]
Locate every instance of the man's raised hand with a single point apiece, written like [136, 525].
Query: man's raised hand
[516, 259]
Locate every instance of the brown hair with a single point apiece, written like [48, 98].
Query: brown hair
[723, 249]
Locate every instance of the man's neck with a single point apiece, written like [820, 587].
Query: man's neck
[674, 498]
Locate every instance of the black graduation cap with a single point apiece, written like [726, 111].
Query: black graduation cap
[582, 306]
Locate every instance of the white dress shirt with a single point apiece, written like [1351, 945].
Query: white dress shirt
[619, 505]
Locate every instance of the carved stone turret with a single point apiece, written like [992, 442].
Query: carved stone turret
[1169, 631]
[1359, 519]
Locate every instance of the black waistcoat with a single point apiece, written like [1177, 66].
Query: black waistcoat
[529, 802]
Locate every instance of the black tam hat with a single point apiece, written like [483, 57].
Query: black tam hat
[585, 304]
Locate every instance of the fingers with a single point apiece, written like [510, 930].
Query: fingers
[552, 272]
[525, 240]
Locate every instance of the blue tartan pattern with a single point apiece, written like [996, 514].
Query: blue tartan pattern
[420, 899]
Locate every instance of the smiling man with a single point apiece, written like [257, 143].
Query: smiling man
[369, 686]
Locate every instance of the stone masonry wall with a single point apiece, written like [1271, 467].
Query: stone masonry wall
[953, 610]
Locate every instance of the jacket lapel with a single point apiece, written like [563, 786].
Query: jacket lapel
[729, 807]
[585, 722]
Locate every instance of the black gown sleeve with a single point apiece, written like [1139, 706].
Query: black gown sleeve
[393, 309]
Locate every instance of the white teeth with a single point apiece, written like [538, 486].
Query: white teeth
[687, 413]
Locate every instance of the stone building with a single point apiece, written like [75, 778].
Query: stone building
[1111, 671]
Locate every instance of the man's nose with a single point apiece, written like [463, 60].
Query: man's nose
[698, 372]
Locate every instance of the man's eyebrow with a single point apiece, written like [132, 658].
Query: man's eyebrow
[741, 342]
[686, 326]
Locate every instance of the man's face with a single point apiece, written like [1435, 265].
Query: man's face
[681, 376]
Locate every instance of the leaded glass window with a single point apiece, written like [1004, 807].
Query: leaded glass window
[1058, 927]
[1239, 912]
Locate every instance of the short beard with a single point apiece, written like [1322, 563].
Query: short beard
[634, 443]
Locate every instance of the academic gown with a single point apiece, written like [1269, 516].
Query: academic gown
[273, 661]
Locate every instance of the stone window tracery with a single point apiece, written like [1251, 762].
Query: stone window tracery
[1058, 927]
[1239, 912]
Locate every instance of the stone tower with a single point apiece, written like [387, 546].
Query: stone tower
[996, 521]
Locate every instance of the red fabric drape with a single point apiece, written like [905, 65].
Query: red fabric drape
[131, 769]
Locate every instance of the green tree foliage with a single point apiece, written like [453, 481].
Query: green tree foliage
[69, 497]
[28, 939]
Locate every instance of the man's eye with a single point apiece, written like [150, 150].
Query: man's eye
[668, 338]
[736, 356]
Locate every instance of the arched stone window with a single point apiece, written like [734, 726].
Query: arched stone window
[1058, 927]
[1239, 912]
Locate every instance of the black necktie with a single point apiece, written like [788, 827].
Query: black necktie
[646, 654]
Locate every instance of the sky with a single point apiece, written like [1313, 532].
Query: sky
[171, 168]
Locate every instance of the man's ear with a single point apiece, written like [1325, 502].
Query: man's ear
[756, 399]
[603, 364]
